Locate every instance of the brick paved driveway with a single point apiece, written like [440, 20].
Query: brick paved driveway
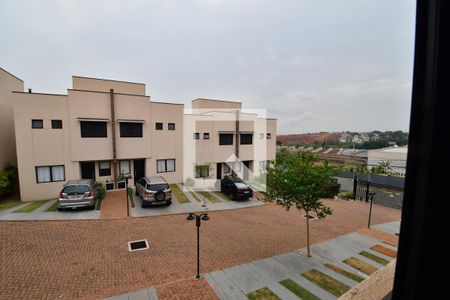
[90, 259]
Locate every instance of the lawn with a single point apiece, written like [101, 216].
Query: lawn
[326, 282]
[208, 196]
[374, 258]
[298, 290]
[345, 273]
[9, 203]
[31, 207]
[221, 196]
[181, 197]
[193, 194]
[360, 265]
[263, 294]
[53, 208]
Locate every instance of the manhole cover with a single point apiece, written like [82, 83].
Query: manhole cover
[137, 245]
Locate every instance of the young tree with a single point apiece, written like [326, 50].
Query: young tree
[385, 166]
[299, 180]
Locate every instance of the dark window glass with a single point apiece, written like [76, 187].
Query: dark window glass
[56, 124]
[206, 136]
[157, 187]
[93, 129]
[130, 129]
[159, 126]
[76, 189]
[246, 139]
[196, 136]
[225, 139]
[269, 136]
[171, 126]
[37, 123]
[104, 168]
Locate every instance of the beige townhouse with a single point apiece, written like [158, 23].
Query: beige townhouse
[107, 129]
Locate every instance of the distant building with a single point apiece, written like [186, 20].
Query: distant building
[395, 155]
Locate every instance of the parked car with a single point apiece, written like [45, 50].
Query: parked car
[236, 189]
[153, 190]
[78, 193]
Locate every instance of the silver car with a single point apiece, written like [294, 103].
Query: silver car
[78, 193]
[153, 190]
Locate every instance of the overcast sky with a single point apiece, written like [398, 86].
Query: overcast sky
[316, 65]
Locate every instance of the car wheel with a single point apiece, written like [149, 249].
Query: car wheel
[92, 207]
[60, 208]
[143, 205]
[231, 196]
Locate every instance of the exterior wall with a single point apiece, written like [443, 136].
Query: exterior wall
[8, 83]
[396, 155]
[104, 85]
[201, 103]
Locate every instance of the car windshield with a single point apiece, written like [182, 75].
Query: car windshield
[241, 185]
[76, 189]
[157, 186]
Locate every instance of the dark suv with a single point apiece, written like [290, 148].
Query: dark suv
[236, 189]
[153, 190]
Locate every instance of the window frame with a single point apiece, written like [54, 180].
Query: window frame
[196, 135]
[269, 135]
[123, 129]
[82, 123]
[169, 126]
[246, 142]
[54, 121]
[165, 165]
[206, 135]
[120, 169]
[38, 120]
[221, 142]
[157, 125]
[100, 169]
[51, 173]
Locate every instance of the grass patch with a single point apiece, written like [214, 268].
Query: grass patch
[263, 294]
[374, 258]
[298, 290]
[194, 195]
[384, 250]
[326, 282]
[53, 208]
[208, 196]
[221, 196]
[181, 197]
[345, 273]
[9, 203]
[31, 207]
[360, 265]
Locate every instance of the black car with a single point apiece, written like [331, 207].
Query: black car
[236, 189]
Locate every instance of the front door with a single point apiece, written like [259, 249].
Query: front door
[87, 170]
[139, 169]
[219, 171]
[246, 169]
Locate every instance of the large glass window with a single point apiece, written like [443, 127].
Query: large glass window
[93, 129]
[165, 165]
[124, 167]
[246, 139]
[104, 168]
[201, 171]
[50, 174]
[130, 129]
[225, 139]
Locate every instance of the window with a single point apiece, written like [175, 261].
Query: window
[171, 126]
[201, 171]
[263, 165]
[165, 165]
[124, 167]
[159, 126]
[269, 136]
[196, 136]
[104, 168]
[37, 124]
[130, 129]
[226, 169]
[50, 174]
[93, 129]
[225, 139]
[206, 136]
[246, 138]
[56, 124]
[237, 166]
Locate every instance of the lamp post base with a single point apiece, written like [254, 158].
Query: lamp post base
[198, 277]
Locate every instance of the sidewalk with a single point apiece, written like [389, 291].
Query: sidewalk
[293, 267]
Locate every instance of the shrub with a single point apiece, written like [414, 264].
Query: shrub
[5, 184]
[101, 193]
[189, 182]
[332, 189]
[345, 195]
[11, 171]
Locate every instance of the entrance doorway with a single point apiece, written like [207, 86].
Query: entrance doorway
[219, 171]
[87, 170]
[139, 169]
[246, 170]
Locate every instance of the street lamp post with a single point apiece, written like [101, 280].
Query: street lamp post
[370, 209]
[198, 220]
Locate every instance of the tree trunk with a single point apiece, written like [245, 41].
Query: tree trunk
[308, 252]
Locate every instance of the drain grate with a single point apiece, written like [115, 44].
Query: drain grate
[137, 245]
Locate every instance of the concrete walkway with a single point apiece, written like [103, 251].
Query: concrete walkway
[144, 294]
[237, 282]
[114, 205]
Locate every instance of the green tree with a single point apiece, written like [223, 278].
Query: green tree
[299, 180]
[385, 166]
